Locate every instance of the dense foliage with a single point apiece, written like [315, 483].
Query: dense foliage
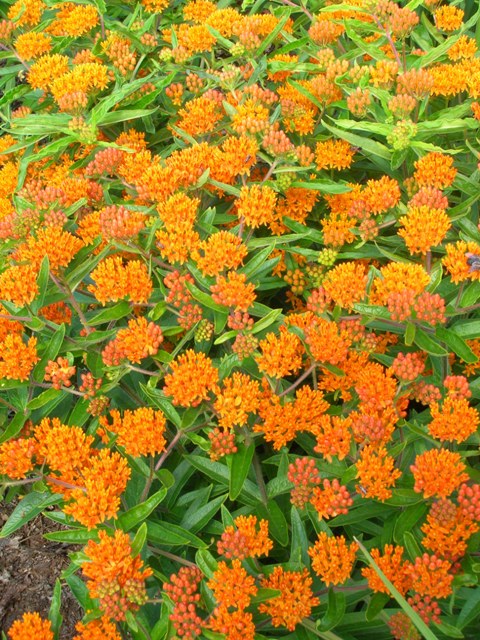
[239, 286]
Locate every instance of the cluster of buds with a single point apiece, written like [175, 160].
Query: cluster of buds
[183, 591]
[222, 443]
[59, 372]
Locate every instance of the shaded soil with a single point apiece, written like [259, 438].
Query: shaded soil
[29, 566]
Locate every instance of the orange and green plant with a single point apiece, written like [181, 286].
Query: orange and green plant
[239, 314]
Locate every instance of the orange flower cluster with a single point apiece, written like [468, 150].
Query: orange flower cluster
[438, 472]
[238, 397]
[281, 355]
[245, 540]
[233, 291]
[102, 629]
[192, 379]
[333, 154]
[376, 473]
[295, 601]
[115, 577]
[115, 280]
[333, 558]
[455, 420]
[139, 432]
[395, 568]
[138, 341]
[256, 205]
[31, 625]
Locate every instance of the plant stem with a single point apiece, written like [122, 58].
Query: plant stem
[299, 381]
[259, 476]
[172, 556]
[169, 449]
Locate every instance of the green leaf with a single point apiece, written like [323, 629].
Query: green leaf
[116, 312]
[428, 344]
[140, 512]
[456, 344]
[470, 609]
[239, 467]
[195, 520]
[407, 520]
[42, 284]
[267, 320]
[410, 334]
[140, 539]
[449, 630]
[27, 509]
[366, 144]
[54, 614]
[277, 524]
[411, 545]
[171, 535]
[337, 603]
[53, 347]
[206, 562]
[219, 472]
[376, 605]
[73, 536]
[299, 544]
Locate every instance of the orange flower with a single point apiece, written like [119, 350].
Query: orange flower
[115, 577]
[30, 627]
[337, 229]
[155, 6]
[192, 379]
[32, 44]
[222, 250]
[17, 359]
[393, 566]
[295, 601]
[177, 245]
[456, 420]
[459, 260]
[396, 277]
[424, 228]
[18, 284]
[25, 12]
[64, 449]
[232, 586]
[140, 432]
[100, 629]
[60, 247]
[251, 117]
[238, 397]
[245, 541]
[16, 457]
[430, 576]
[233, 291]
[382, 194]
[256, 205]
[8, 179]
[333, 154]
[74, 20]
[139, 341]
[332, 558]
[199, 116]
[179, 208]
[334, 436]
[447, 530]
[438, 472]
[326, 342]
[346, 284]
[464, 47]
[435, 170]
[376, 473]
[448, 17]
[235, 625]
[103, 480]
[332, 499]
[115, 280]
[281, 354]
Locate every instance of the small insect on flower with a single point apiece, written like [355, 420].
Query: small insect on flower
[473, 261]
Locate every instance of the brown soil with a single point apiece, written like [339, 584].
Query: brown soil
[29, 566]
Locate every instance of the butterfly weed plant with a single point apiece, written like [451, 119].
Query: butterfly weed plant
[239, 328]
